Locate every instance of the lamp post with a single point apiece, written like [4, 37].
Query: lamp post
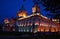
[50, 22]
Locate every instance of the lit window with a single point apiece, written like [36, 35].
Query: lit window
[36, 23]
[40, 24]
[52, 29]
[35, 31]
[27, 30]
[13, 29]
[54, 20]
[46, 29]
[31, 30]
[19, 30]
[24, 30]
[30, 24]
[6, 21]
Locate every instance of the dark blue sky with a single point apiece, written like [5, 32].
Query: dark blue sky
[9, 8]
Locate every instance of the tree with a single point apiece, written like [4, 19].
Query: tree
[52, 5]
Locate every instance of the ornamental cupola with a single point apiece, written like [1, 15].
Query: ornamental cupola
[22, 13]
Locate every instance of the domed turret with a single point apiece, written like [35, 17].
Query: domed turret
[12, 21]
[6, 21]
[22, 13]
[35, 9]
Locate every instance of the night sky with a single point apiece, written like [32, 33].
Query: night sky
[9, 8]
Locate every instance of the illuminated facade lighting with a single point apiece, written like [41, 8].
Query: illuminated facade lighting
[6, 21]
[34, 22]
[34, 9]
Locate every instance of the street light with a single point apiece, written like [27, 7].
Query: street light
[50, 21]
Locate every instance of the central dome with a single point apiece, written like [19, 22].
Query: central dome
[22, 13]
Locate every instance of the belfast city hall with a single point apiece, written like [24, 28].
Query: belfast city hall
[35, 22]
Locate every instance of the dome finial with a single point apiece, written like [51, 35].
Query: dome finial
[22, 8]
[36, 1]
[22, 12]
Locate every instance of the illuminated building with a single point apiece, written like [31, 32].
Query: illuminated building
[6, 21]
[34, 22]
[9, 25]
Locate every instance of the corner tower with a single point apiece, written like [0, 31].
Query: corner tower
[35, 8]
